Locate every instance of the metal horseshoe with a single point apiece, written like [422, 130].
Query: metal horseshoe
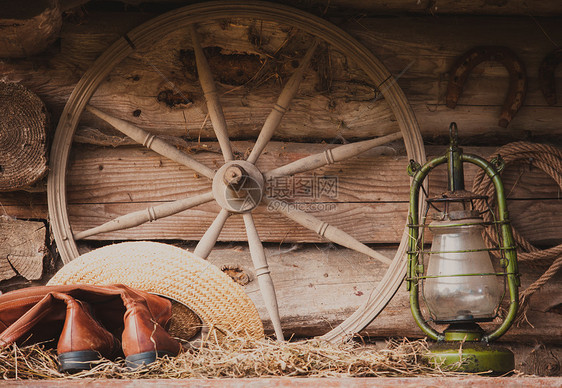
[546, 75]
[461, 69]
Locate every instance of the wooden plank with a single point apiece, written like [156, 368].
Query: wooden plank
[369, 223]
[99, 173]
[105, 183]
[379, 224]
[332, 283]
[309, 382]
[131, 174]
[318, 286]
[96, 175]
[369, 200]
[22, 204]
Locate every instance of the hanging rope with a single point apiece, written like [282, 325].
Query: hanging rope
[549, 160]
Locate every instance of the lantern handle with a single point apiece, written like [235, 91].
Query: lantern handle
[421, 173]
[507, 245]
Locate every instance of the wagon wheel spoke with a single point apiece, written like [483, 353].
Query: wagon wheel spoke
[209, 239]
[263, 274]
[152, 142]
[282, 104]
[330, 156]
[329, 232]
[209, 90]
[149, 214]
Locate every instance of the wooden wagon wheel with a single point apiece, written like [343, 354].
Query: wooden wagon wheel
[237, 186]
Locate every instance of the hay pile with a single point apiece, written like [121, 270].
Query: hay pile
[240, 358]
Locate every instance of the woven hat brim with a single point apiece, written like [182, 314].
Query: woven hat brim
[171, 272]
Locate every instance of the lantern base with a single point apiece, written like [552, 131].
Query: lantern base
[472, 357]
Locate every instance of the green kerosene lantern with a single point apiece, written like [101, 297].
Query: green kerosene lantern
[456, 278]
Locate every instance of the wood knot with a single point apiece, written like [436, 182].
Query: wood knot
[174, 98]
[236, 272]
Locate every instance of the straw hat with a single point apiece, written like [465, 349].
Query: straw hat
[172, 272]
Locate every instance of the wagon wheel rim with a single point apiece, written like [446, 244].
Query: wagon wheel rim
[149, 33]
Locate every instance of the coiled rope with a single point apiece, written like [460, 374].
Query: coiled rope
[549, 160]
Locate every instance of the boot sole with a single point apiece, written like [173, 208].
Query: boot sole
[73, 362]
[139, 360]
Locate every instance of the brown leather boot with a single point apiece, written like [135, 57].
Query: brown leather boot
[33, 314]
[42, 314]
[38, 314]
[83, 341]
[144, 336]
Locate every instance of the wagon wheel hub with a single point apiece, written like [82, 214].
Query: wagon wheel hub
[238, 186]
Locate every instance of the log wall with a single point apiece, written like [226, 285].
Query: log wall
[372, 202]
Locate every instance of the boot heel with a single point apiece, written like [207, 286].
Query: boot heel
[139, 360]
[73, 362]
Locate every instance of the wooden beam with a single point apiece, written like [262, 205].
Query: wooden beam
[26, 31]
[357, 7]
[419, 51]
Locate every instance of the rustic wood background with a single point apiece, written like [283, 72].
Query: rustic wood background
[318, 284]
